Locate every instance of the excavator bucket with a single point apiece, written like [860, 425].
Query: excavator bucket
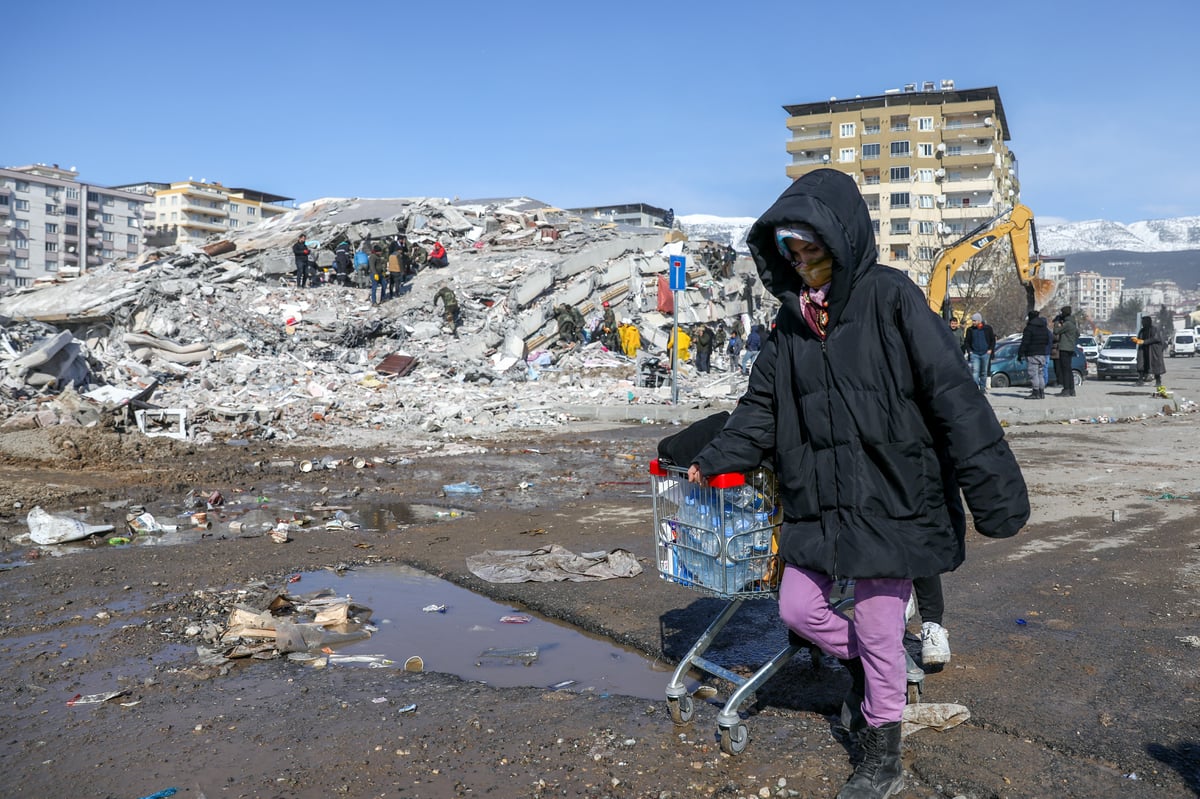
[1043, 291]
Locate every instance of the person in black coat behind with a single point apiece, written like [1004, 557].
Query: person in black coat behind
[1035, 348]
[861, 400]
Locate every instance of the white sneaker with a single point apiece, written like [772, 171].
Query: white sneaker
[935, 644]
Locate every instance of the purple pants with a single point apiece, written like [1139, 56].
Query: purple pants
[876, 633]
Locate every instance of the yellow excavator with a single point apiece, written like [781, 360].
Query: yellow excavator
[1017, 224]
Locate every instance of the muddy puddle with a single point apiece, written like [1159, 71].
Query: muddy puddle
[456, 631]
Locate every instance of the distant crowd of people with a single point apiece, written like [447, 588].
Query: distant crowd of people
[383, 267]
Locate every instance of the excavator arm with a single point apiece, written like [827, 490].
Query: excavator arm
[1017, 224]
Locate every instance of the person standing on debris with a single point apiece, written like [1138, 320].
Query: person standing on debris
[734, 349]
[395, 273]
[300, 253]
[704, 348]
[980, 341]
[754, 343]
[874, 426]
[630, 338]
[606, 331]
[445, 295]
[684, 350]
[344, 262]
[377, 268]
[362, 261]
[437, 256]
[1035, 344]
[1066, 334]
[1150, 354]
[720, 338]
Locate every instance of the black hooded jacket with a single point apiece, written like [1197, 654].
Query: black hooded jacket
[873, 431]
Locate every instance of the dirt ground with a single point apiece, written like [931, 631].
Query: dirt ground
[1075, 643]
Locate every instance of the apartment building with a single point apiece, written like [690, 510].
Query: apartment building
[191, 211]
[1093, 295]
[932, 162]
[53, 225]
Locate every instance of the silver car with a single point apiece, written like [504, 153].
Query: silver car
[1118, 357]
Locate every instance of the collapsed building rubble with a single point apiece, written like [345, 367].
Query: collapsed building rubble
[222, 335]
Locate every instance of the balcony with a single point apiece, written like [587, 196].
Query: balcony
[204, 209]
[93, 205]
[811, 135]
[71, 256]
[93, 223]
[5, 249]
[982, 184]
[210, 194]
[93, 241]
[94, 260]
[198, 224]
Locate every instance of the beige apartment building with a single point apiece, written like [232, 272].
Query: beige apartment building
[190, 211]
[1092, 296]
[52, 225]
[932, 162]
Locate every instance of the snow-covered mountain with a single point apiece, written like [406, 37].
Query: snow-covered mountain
[1097, 235]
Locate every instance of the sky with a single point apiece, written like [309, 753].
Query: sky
[678, 105]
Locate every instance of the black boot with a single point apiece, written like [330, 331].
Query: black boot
[880, 774]
[851, 723]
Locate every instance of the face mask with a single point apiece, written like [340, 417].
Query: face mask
[817, 273]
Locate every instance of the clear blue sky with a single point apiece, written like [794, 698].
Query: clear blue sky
[673, 104]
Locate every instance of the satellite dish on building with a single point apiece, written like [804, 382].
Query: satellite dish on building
[988, 121]
[825, 158]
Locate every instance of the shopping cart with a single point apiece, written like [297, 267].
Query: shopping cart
[721, 540]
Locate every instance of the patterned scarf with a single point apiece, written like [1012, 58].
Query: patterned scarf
[814, 306]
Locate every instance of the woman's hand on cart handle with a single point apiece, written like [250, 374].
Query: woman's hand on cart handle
[694, 475]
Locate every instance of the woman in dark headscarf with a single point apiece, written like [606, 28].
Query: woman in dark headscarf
[1150, 353]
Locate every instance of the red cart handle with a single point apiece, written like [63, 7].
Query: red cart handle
[725, 480]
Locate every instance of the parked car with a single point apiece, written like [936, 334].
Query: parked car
[1009, 370]
[1183, 343]
[1118, 357]
[1090, 347]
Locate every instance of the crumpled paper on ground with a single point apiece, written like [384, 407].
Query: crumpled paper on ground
[552, 563]
[939, 716]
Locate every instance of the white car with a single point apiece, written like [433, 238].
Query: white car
[1090, 347]
[1183, 343]
[1118, 357]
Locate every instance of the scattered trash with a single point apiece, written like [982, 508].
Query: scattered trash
[143, 523]
[379, 700]
[280, 534]
[118, 540]
[169, 422]
[552, 563]
[462, 488]
[523, 656]
[163, 794]
[1021, 622]
[414, 664]
[1191, 640]
[94, 699]
[46, 528]
[1116, 515]
[295, 578]
[515, 619]
[939, 716]
[407, 709]
[558, 686]
[1171, 496]
[434, 609]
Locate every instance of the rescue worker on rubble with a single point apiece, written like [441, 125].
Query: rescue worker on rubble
[300, 253]
[445, 295]
[704, 348]
[376, 269]
[630, 338]
[606, 331]
[570, 324]
[683, 352]
[344, 261]
[418, 258]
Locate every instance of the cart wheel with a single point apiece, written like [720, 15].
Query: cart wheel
[914, 693]
[681, 709]
[734, 739]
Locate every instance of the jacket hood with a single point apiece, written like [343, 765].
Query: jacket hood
[830, 202]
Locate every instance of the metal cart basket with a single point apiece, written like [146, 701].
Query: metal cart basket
[721, 540]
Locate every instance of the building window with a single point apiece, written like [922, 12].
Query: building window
[900, 227]
[21, 263]
[924, 123]
[233, 208]
[250, 211]
[925, 201]
[71, 210]
[926, 253]
[71, 229]
[871, 177]
[953, 149]
[900, 149]
[174, 199]
[21, 224]
[93, 197]
[52, 227]
[875, 226]
[51, 209]
[4, 199]
[870, 127]
[898, 174]
[925, 175]
[106, 253]
[925, 228]
[52, 246]
[51, 191]
[133, 205]
[899, 199]
[131, 239]
[131, 222]
[19, 244]
[925, 149]
[51, 266]
[72, 194]
[106, 218]
[235, 223]
[846, 155]
[899, 124]
[870, 152]
[846, 130]
[22, 185]
[107, 235]
[900, 252]
[21, 205]
[174, 215]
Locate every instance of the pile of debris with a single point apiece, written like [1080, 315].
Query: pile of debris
[218, 343]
